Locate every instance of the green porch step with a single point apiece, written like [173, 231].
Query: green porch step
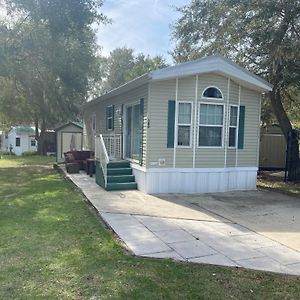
[121, 178]
[117, 186]
[118, 164]
[119, 171]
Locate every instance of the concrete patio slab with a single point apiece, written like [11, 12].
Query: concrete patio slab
[229, 229]
[264, 264]
[215, 259]
[147, 246]
[192, 249]
[157, 224]
[174, 236]
[282, 254]
[235, 250]
[295, 268]
[256, 241]
[171, 255]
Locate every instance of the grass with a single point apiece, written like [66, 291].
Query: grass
[53, 246]
[275, 181]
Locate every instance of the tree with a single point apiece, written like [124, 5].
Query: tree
[123, 65]
[47, 56]
[263, 35]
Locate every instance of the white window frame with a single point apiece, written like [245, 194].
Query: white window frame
[19, 139]
[231, 126]
[110, 118]
[184, 124]
[212, 98]
[32, 140]
[199, 124]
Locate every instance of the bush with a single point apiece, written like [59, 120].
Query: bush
[7, 153]
[29, 153]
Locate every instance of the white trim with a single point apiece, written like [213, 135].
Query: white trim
[237, 131]
[226, 124]
[213, 64]
[184, 124]
[258, 132]
[136, 165]
[175, 135]
[190, 180]
[198, 125]
[212, 98]
[197, 170]
[230, 126]
[195, 122]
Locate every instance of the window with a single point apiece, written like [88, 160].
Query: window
[32, 142]
[211, 125]
[233, 126]
[110, 117]
[94, 122]
[212, 92]
[184, 123]
[18, 142]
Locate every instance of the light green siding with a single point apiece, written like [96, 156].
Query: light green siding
[249, 155]
[159, 94]
[130, 97]
[211, 157]
[156, 95]
[162, 91]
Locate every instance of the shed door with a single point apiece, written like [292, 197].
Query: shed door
[70, 141]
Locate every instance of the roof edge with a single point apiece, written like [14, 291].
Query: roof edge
[67, 124]
[136, 82]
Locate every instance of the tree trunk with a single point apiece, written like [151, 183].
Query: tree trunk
[280, 113]
[42, 142]
[285, 125]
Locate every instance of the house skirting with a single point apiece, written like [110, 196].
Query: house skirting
[189, 180]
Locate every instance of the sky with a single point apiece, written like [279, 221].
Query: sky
[143, 25]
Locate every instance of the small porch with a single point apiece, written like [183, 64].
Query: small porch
[113, 172]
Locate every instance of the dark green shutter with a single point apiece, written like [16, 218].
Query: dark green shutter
[113, 117]
[141, 130]
[171, 124]
[241, 127]
[106, 116]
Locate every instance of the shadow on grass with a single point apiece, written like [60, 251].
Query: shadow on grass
[52, 246]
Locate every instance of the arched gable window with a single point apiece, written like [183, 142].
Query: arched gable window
[212, 92]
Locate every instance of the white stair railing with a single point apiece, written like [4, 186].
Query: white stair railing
[101, 155]
[113, 145]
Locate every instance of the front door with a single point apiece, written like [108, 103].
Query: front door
[132, 132]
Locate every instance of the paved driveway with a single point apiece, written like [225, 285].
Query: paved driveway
[257, 230]
[271, 214]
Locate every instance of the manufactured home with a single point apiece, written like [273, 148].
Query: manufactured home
[189, 128]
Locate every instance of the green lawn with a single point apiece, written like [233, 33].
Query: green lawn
[53, 246]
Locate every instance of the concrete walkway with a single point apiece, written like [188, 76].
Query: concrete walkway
[154, 226]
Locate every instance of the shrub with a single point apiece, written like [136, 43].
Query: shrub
[7, 153]
[29, 153]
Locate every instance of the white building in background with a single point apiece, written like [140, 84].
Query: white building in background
[3, 142]
[21, 139]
